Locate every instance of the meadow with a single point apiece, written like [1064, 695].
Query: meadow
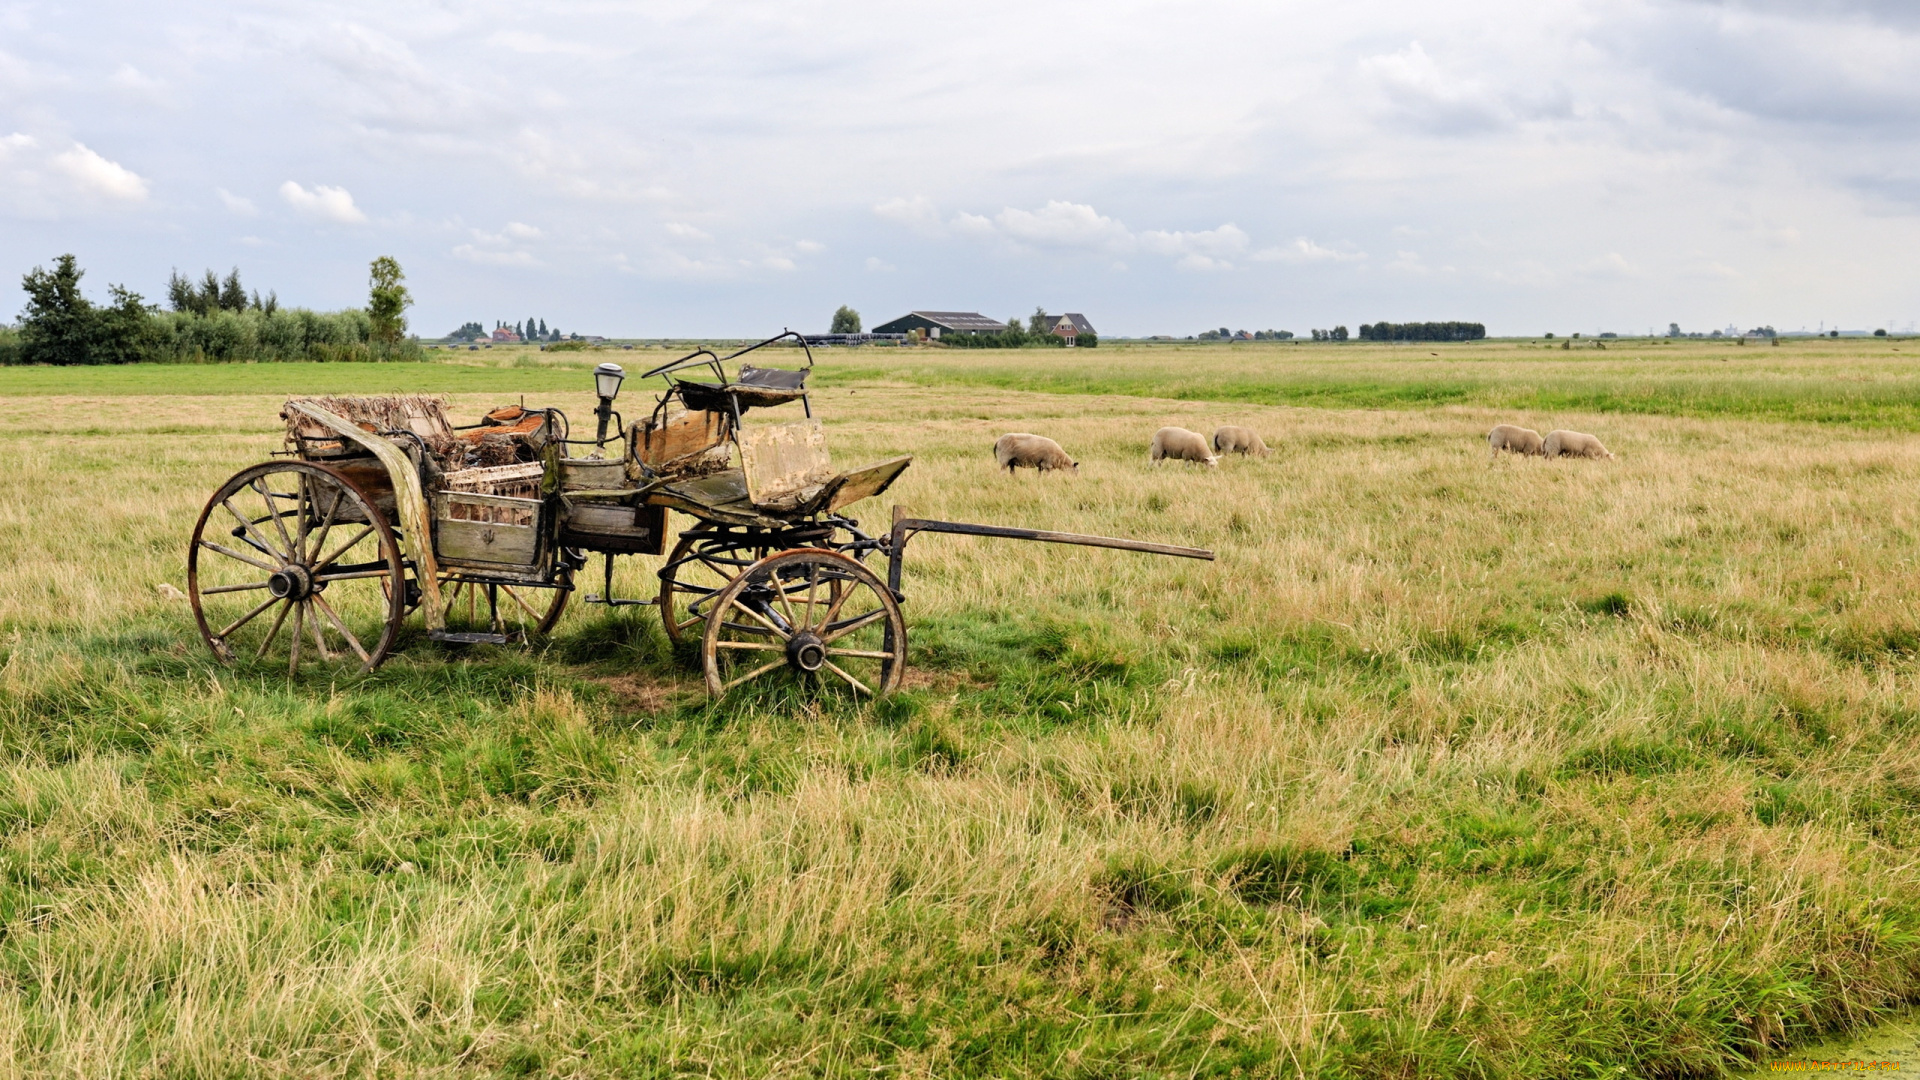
[1445, 768]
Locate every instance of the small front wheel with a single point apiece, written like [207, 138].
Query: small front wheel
[810, 615]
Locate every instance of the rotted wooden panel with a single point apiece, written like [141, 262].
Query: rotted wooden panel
[785, 464]
[487, 542]
[868, 482]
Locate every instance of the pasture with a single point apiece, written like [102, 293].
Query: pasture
[1443, 769]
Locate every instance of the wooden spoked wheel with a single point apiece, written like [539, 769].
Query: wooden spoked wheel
[807, 614]
[693, 576]
[521, 613]
[291, 555]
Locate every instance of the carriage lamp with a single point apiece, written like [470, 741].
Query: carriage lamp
[607, 379]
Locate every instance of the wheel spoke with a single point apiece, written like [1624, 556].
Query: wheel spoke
[247, 618]
[253, 532]
[273, 511]
[318, 632]
[232, 554]
[232, 588]
[813, 586]
[524, 606]
[855, 683]
[326, 526]
[754, 674]
[868, 654]
[840, 596]
[758, 646]
[293, 656]
[341, 550]
[352, 642]
[762, 619]
[302, 507]
[273, 631]
[851, 625]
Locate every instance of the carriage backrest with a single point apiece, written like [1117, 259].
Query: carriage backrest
[680, 440]
[785, 464]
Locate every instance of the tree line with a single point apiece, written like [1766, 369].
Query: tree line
[1034, 334]
[211, 321]
[1422, 331]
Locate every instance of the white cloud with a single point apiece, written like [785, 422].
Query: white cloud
[1227, 240]
[809, 247]
[99, 176]
[519, 231]
[488, 257]
[323, 203]
[917, 213]
[683, 231]
[877, 265]
[777, 262]
[1064, 224]
[1071, 227]
[236, 204]
[1303, 250]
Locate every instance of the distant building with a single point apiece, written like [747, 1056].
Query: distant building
[936, 323]
[505, 335]
[1069, 326]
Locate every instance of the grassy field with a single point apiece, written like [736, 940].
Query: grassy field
[1444, 768]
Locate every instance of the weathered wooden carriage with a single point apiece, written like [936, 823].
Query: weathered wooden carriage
[381, 507]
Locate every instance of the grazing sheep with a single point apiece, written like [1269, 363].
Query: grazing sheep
[1181, 445]
[1237, 440]
[1523, 441]
[1574, 444]
[1019, 450]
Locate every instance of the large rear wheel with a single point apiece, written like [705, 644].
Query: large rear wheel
[290, 558]
[809, 615]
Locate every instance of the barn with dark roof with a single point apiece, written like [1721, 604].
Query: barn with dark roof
[939, 323]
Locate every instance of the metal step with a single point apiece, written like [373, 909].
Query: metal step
[453, 637]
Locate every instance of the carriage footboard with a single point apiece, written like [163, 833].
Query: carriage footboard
[905, 527]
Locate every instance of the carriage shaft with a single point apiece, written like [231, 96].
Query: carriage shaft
[905, 527]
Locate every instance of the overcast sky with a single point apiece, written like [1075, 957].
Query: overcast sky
[1163, 167]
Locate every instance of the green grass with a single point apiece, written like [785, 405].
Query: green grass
[1444, 769]
[1870, 384]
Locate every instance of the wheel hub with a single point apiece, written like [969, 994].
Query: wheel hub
[806, 651]
[291, 582]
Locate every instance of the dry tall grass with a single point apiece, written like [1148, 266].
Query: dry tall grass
[1443, 769]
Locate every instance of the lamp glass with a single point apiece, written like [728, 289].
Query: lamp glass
[607, 378]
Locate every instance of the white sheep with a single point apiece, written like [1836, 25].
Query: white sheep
[1229, 439]
[1573, 444]
[1181, 445]
[1523, 441]
[1019, 450]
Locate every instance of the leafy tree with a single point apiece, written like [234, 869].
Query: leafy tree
[1877, 333]
[1038, 323]
[126, 332]
[58, 325]
[232, 296]
[1673, 329]
[543, 329]
[1339, 333]
[1015, 334]
[845, 321]
[388, 300]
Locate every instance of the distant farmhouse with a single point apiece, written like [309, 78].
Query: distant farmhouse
[936, 323]
[1069, 326]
